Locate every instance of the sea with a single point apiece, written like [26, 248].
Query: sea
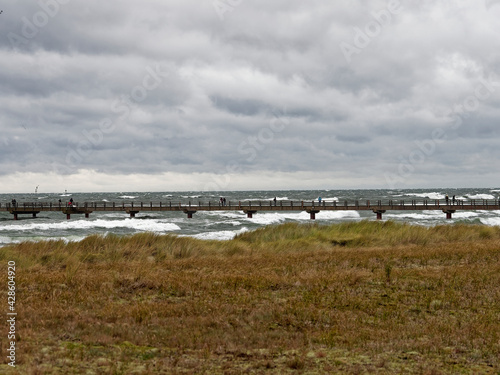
[223, 225]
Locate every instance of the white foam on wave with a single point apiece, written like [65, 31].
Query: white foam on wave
[127, 197]
[481, 196]
[232, 222]
[5, 240]
[224, 214]
[433, 215]
[224, 235]
[491, 221]
[466, 214]
[328, 199]
[267, 200]
[267, 219]
[275, 218]
[264, 200]
[140, 225]
[15, 240]
[334, 215]
[116, 215]
[144, 215]
[212, 223]
[424, 215]
[433, 195]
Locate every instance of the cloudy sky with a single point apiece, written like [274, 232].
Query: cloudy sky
[164, 95]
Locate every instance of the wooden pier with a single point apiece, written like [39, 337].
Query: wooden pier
[250, 207]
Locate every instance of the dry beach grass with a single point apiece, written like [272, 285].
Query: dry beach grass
[354, 298]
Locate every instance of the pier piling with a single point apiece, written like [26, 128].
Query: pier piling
[189, 213]
[379, 213]
[313, 213]
[250, 213]
[449, 213]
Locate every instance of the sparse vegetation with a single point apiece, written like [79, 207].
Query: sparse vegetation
[354, 298]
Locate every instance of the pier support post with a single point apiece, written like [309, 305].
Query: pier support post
[379, 213]
[34, 215]
[250, 213]
[189, 213]
[131, 212]
[312, 214]
[448, 213]
[75, 210]
[15, 217]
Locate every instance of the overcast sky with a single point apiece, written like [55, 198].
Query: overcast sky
[164, 95]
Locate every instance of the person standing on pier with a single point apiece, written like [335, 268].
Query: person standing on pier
[446, 198]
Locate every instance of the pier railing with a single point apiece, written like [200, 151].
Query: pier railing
[356, 204]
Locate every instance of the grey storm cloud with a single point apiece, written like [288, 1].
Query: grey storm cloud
[394, 91]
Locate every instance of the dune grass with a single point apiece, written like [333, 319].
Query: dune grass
[367, 297]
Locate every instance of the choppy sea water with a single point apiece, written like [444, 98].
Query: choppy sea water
[222, 225]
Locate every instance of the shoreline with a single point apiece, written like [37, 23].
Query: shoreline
[230, 235]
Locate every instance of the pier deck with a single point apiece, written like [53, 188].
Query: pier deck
[249, 207]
